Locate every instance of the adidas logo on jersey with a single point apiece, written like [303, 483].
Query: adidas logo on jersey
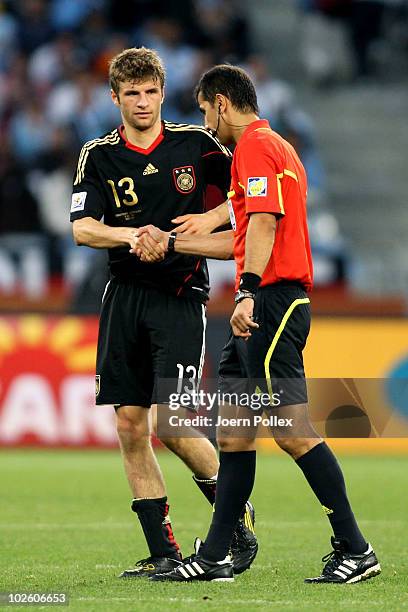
[150, 169]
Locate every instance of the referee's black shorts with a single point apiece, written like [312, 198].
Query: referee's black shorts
[146, 337]
[271, 359]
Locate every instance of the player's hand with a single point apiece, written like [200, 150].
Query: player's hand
[201, 224]
[151, 244]
[241, 320]
[129, 236]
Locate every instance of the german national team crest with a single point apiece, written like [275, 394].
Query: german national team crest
[184, 179]
[97, 384]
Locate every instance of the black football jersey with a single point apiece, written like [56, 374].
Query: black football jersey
[129, 186]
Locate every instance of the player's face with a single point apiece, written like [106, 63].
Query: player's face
[139, 103]
[212, 119]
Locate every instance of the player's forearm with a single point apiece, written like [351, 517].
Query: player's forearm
[214, 246]
[219, 215]
[93, 233]
[259, 242]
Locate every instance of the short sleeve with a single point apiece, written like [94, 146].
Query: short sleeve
[260, 173]
[216, 162]
[87, 198]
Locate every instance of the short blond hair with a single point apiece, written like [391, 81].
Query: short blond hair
[135, 64]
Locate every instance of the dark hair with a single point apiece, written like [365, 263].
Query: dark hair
[135, 64]
[233, 83]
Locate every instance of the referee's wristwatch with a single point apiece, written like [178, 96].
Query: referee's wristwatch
[242, 294]
[172, 240]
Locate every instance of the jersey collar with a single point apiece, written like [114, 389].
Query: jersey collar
[152, 147]
[255, 125]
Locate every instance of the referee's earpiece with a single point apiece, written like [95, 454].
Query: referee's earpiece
[219, 108]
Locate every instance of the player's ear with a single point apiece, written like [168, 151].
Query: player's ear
[115, 98]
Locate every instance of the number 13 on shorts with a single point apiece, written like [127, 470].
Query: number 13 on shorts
[188, 375]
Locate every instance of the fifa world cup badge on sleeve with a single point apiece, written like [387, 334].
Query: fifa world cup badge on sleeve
[78, 201]
[257, 186]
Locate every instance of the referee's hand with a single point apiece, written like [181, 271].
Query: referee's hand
[199, 223]
[241, 320]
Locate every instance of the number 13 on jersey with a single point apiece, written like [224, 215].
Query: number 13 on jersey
[126, 181]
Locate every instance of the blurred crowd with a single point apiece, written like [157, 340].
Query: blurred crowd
[352, 40]
[54, 96]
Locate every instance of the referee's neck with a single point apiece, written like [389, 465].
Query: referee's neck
[239, 122]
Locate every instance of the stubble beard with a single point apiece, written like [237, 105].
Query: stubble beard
[141, 125]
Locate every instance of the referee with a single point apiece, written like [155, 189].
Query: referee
[152, 323]
[269, 326]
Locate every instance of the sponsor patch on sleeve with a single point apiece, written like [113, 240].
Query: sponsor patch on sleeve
[78, 201]
[232, 215]
[257, 186]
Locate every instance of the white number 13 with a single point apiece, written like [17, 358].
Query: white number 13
[190, 369]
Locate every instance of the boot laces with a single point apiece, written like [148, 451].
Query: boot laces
[333, 559]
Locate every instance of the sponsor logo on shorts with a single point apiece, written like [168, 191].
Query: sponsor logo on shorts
[78, 201]
[97, 384]
[257, 186]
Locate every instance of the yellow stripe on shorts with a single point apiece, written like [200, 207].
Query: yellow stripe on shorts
[276, 337]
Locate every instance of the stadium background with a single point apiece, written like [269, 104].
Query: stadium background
[331, 76]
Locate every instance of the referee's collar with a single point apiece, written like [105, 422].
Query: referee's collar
[255, 125]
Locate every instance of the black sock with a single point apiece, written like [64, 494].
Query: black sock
[236, 478]
[154, 517]
[207, 486]
[325, 477]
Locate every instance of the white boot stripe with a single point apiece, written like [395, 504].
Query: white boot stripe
[183, 572]
[198, 568]
[345, 569]
[224, 561]
[351, 564]
[190, 569]
[340, 574]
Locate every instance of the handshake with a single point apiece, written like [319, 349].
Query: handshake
[149, 243]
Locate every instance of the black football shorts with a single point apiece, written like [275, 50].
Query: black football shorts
[146, 336]
[271, 359]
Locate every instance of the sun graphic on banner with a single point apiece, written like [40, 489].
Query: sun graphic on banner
[47, 383]
[70, 339]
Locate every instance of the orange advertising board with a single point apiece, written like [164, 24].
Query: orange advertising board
[47, 383]
[47, 380]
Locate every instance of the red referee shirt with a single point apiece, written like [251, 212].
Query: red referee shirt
[268, 176]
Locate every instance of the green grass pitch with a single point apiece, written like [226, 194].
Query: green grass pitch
[65, 525]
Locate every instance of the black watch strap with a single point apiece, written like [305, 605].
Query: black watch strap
[172, 240]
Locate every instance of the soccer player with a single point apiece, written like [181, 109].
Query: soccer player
[269, 326]
[152, 323]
